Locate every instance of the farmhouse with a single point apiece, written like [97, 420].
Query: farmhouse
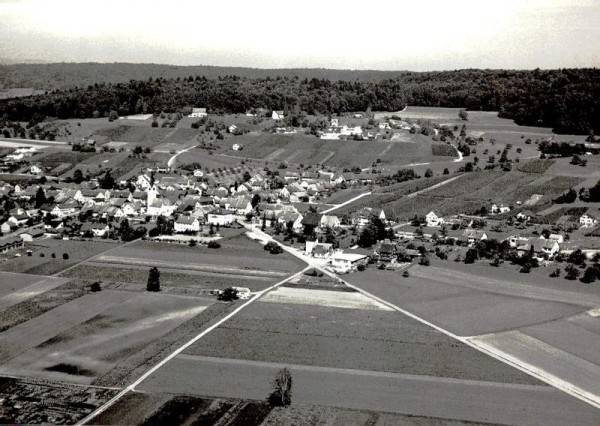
[187, 224]
[587, 221]
[10, 244]
[433, 220]
[470, 236]
[198, 112]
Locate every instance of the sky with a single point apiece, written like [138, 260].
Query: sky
[419, 35]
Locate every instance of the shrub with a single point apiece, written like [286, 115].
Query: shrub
[95, 287]
[53, 255]
[214, 245]
[228, 295]
[273, 248]
[65, 256]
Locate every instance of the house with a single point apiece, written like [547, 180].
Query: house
[495, 209]
[318, 250]
[330, 221]
[363, 216]
[541, 247]
[557, 237]
[587, 221]
[219, 217]
[386, 251]
[232, 128]
[198, 112]
[97, 229]
[237, 147]
[433, 220]
[525, 215]
[7, 227]
[346, 262]
[187, 224]
[31, 235]
[277, 115]
[35, 170]
[470, 236]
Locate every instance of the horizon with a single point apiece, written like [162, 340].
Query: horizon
[463, 35]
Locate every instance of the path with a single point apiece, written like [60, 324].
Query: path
[172, 159]
[437, 185]
[345, 203]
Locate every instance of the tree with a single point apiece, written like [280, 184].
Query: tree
[107, 182]
[77, 176]
[273, 248]
[572, 272]
[428, 173]
[153, 280]
[446, 171]
[463, 115]
[471, 255]
[40, 198]
[112, 116]
[282, 389]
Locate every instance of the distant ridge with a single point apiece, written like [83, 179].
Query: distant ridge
[67, 75]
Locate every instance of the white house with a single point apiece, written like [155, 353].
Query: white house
[198, 112]
[219, 217]
[499, 209]
[346, 262]
[277, 115]
[587, 221]
[318, 250]
[187, 224]
[433, 220]
[35, 170]
[330, 221]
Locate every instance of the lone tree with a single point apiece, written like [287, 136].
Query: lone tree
[463, 115]
[282, 389]
[153, 280]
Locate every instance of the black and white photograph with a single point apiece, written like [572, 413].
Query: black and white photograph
[306, 213]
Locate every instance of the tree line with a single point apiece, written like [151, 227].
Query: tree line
[567, 100]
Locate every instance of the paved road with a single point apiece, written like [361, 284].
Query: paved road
[399, 393]
[346, 202]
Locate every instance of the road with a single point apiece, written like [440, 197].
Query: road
[427, 396]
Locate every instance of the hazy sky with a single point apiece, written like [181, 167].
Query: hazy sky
[375, 34]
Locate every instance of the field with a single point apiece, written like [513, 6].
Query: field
[87, 337]
[41, 261]
[468, 193]
[239, 262]
[17, 288]
[309, 150]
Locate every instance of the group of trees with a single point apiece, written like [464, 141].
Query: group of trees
[568, 100]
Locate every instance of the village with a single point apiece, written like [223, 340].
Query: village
[191, 205]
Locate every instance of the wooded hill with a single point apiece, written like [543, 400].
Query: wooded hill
[566, 100]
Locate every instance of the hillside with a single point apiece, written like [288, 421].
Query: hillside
[566, 100]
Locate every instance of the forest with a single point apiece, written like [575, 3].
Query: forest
[566, 100]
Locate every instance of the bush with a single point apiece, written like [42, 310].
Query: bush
[65, 256]
[228, 295]
[42, 255]
[53, 255]
[214, 245]
[95, 287]
[273, 248]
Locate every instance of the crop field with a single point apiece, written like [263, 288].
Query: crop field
[536, 165]
[350, 337]
[41, 261]
[144, 136]
[86, 338]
